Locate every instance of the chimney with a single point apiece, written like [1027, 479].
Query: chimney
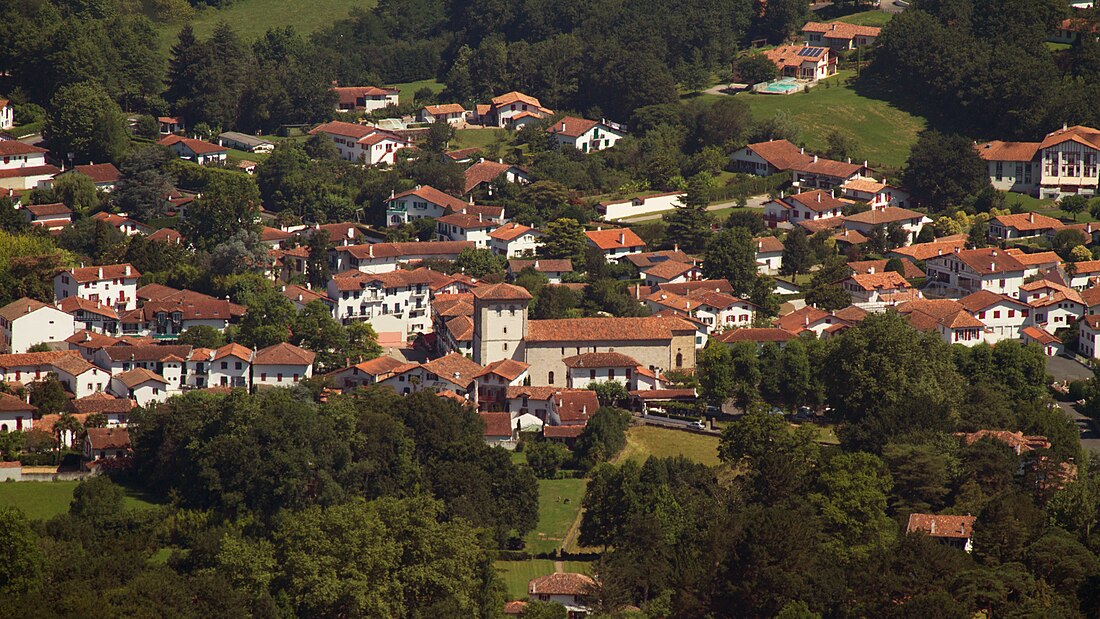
[760, 246]
[849, 160]
[992, 266]
[819, 197]
[100, 272]
[993, 253]
[815, 158]
[932, 527]
[622, 238]
[536, 264]
[870, 270]
[675, 247]
[1064, 126]
[807, 320]
[299, 297]
[801, 151]
[370, 251]
[563, 126]
[939, 252]
[127, 270]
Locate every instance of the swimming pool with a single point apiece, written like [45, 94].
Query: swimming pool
[782, 86]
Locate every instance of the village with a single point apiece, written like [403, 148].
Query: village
[577, 330]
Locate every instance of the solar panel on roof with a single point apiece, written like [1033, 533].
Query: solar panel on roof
[812, 52]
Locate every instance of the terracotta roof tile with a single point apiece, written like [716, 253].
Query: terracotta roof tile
[12, 404]
[768, 245]
[109, 438]
[668, 269]
[924, 251]
[755, 335]
[541, 265]
[960, 527]
[1028, 222]
[599, 360]
[199, 147]
[562, 583]
[1007, 151]
[121, 352]
[509, 369]
[454, 368]
[105, 272]
[20, 307]
[605, 329]
[510, 231]
[461, 328]
[133, 378]
[501, 292]
[26, 359]
[886, 280]
[434, 196]
[571, 126]
[841, 30]
[15, 147]
[100, 402]
[562, 431]
[483, 172]
[885, 215]
[283, 354]
[99, 172]
[614, 238]
[497, 424]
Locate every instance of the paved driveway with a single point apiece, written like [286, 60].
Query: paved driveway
[1061, 369]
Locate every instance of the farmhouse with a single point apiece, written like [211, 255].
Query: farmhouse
[1066, 162]
[450, 113]
[198, 151]
[803, 61]
[364, 98]
[582, 134]
[362, 143]
[840, 36]
[785, 211]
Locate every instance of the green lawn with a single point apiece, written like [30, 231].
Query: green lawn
[478, 138]
[408, 89]
[868, 18]
[556, 516]
[645, 441]
[1045, 206]
[516, 575]
[252, 18]
[883, 134]
[44, 500]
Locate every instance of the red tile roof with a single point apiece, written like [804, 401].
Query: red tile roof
[347, 95]
[446, 108]
[133, 378]
[509, 369]
[20, 307]
[755, 335]
[434, 196]
[1086, 136]
[817, 200]
[886, 280]
[497, 424]
[841, 30]
[501, 292]
[15, 147]
[562, 583]
[510, 231]
[45, 210]
[571, 126]
[1028, 222]
[26, 359]
[27, 171]
[199, 147]
[233, 350]
[483, 172]
[283, 354]
[562, 431]
[99, 172]
[102, 403]
[343, 129]
[454, 368]
[986, 261]
[108, 438]
[885, 215]
[614, 238]
[1007, 151]
[105, 272]
[958, 527]
[909, 270]
[12, 404]
[541, 265]
[606, 329]
[768, 244]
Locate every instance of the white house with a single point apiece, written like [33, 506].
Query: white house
[590, 367]
[198, 151]
[397, 301]
[230, 366]
[125, 224]
[612, 210]
[106, 443]
[570, 590]
[26, 322]
[582, 134]
[615, 243]
[7, 115]
[486, 173]
[167, 362]
[113, 285]
[15, 414]
[671, 272]
[1051, 345]
[385, 257]
[840, 36]
[140, 385]
[876, 194]
[787, 210]
[513, 240]
[1053, 306]
[1003, 316]
[804, 62]
[1066, 162]
[1023, 225]
[364, 373]
[365, 98]
[882, 288]
[512, 110]
[80, 377]
[971, 270]
[769, 254]
[23, 166]
[462, 226]
[424, 201]
[104, 175]
[454, 373]
[362, 143]
[53, 217]
[1088, 338]
[281, 365]
[493, 381]
[910, 221]
[450, 113]
[946, 318]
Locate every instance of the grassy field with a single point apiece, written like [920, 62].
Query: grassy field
[883, 134]
[408, 89]
[555, 514]
[44, 500]
[477, 138]
[252, 18]
[516, 574]
[868, 18]
[645, 441]
[1046, 207]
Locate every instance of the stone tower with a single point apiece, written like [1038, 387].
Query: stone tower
[500, 322]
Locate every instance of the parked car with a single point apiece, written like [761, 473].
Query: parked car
[698, 425]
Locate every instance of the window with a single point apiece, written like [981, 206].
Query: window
[550, 378]
[295, 378]
[997, 313]
[263, 375]
[611, 374]
[237, 365]
[279, 377]
[981, 315]
[679, 360]
[1011, 313]
[592, 374]
[225, 365]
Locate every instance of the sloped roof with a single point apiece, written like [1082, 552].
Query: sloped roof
[497, 424]
[768, 245]
[283, 354]
[605, 329]
[105, 272]
[506, 368]
[122, 352]
[817, 200]
[886, 280]
[484, 171]
[1028, 221]
[1086, 136]
[199, 147]
[233, 350]
[562, 583]
[12, 404]
[541, 265]
[434, 196]
[997, 150]
[455, 368]
[959, 527]
[109, 438]
[15, 147]
[501, 292]
[669, 270]
[343, 129]
[755, 335]
[446, 108]
[99, 172]
[20, 307]
[510, 231]
[885, 215]
[614, 238]
[841, 30]
[571, 126]
[133, 378]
